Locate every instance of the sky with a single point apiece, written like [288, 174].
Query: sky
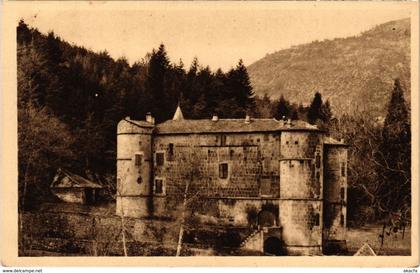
[217, 34]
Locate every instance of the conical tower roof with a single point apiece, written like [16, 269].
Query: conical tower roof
[178, 114]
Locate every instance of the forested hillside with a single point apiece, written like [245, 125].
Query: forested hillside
[70, 100]
[354, 73]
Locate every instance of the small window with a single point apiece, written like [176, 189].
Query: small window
[342, 220]
[222, 140]
[139, 180]
[231, 153]
[258, 140]
[318, 161]
[316, 219]
[159, 187]
[342, 193]
[265, 186]
[296, 142]
[287, 142]
[318, 176]
[160, 159]
[223, 170]
[171, 151]
[343, 169]
[138, 158]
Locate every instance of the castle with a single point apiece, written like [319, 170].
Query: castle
[285, 178]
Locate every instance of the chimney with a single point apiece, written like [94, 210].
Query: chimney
[247, 119]
[149, 118]
[215, 117]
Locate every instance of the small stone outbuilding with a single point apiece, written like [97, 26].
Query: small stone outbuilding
[72, 188]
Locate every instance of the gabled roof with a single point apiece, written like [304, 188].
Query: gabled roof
[229, 126]
[365, 250]
[66, 179]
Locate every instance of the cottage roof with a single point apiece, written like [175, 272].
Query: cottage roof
[229, 126]
[365, 250]
[332, 141]
[66, 179]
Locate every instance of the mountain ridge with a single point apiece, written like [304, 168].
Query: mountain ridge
[353, 73]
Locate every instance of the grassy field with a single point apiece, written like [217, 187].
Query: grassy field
[394, 244]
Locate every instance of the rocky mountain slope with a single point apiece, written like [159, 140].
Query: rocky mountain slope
[354, 73]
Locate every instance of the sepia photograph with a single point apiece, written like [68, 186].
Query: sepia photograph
[214, 129]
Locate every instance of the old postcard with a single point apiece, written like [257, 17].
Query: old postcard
[210, 133]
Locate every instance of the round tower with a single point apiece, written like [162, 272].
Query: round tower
[134, 167]
[300, 205]
[335, 196]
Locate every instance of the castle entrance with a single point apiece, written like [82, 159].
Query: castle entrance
[273, 246]
[266, 219]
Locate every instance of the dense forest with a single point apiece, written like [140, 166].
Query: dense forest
[70, 100]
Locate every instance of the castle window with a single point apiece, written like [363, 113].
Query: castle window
[343, 169]
[342, 193]
[296, 142]
[159, 186]
[318, 161]
[316, 219]
[160, 158]
[138, 158]
[231, 153]
[139, 180]
[222, 140]
[223, 170]
[171, 152]
[342, 220]
[265, 187]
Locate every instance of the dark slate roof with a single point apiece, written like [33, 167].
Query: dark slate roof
[140, 123]
[66, 179]
[228, 126]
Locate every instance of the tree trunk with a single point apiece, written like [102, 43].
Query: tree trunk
[123, 233]
[181, 229]
[22, 204]
[383, 234]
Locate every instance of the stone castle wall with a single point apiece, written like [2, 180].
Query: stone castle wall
[279, 173]
[335, 191]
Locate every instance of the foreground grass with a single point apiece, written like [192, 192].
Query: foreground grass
[394, 244]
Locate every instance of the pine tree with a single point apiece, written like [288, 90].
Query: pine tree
[326, 113]
[294, 115]
[394, 156]
[283, 110]
[239, 92]
[158, 66]
[314, 111]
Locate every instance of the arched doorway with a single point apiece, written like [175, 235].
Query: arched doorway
[273, 246]
[266, 219]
